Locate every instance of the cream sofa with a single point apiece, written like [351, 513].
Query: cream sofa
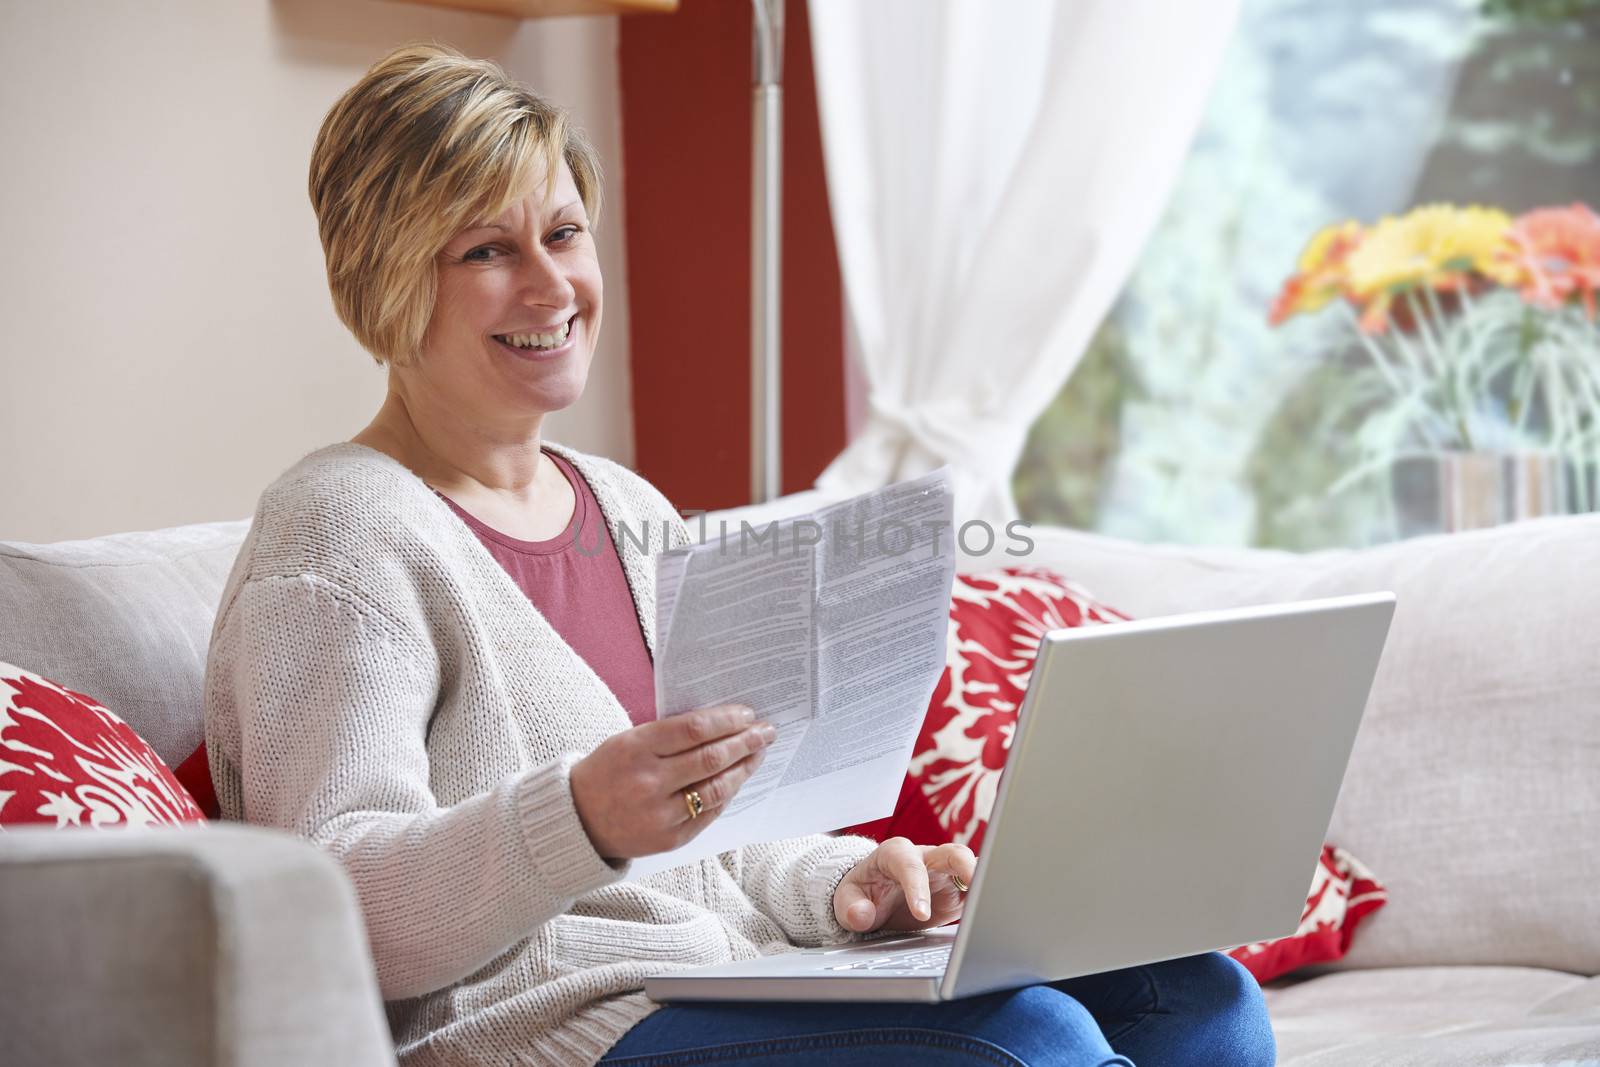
[1473, 793]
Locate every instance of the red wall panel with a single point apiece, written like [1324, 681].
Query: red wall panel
[686, 119]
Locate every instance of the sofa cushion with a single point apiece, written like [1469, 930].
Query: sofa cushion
[126, 618]
[67, 761]
[1472, 787]
[1437, 1017]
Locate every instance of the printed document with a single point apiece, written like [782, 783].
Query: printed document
[832, 627]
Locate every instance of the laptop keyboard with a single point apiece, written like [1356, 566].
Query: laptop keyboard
[932, 960]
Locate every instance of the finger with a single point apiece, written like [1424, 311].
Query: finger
[716, 791]
[710, 760]
[687, 829]
[668, 737]
[853, 907]
[902, 861]
[953, 859]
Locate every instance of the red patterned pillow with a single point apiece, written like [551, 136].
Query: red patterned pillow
[67, 761]
[1343, 893]
[996, 622]
[997, 619]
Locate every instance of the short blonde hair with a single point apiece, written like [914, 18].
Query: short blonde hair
[425, 144]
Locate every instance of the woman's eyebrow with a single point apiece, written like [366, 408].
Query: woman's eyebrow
[562, 210]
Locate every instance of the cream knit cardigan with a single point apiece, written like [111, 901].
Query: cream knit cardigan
[378, 684]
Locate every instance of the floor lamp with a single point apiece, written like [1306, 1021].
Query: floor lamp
[766, 248]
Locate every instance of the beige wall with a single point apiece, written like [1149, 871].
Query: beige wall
[167, 344]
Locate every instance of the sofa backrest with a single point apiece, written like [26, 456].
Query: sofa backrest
[125, 619]
[1473, 791]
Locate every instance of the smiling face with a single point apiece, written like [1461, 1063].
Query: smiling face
[516, 317]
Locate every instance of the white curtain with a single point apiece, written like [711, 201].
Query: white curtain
[994, 169]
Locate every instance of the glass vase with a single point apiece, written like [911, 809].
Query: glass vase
[1454, 491]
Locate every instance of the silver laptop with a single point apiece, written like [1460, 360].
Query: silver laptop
[1167, 794]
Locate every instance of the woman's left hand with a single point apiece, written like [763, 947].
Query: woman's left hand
[902, 886]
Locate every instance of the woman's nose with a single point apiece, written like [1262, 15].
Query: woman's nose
[545, 281]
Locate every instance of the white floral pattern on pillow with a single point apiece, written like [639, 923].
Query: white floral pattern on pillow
[67, 761]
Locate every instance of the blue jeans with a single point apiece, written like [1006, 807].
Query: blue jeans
[1201, 1010]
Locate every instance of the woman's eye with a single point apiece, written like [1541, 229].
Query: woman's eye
[566, 235]
[474, 257]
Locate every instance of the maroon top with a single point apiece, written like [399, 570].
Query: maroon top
[575, 579]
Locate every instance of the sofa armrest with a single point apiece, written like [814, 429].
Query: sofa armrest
[219, 944]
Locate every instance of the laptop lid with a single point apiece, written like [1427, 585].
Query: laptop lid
[1168, 790]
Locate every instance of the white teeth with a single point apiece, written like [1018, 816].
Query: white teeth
[537, 340]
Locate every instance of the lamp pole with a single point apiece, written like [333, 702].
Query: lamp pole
[766, 247]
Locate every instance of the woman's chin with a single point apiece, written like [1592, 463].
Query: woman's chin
[551, 385]
[552, 396]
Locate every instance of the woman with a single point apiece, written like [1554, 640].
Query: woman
[433, 660]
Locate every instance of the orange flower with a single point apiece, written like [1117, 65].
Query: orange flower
[1321, 274]
[1557, 255]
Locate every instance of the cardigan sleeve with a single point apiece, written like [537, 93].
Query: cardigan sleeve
[792, 882]
[317, 716]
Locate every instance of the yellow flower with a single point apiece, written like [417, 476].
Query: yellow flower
[1329, 246]
[1321, 273]
[1431, 245]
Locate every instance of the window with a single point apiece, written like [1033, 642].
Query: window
[1191, 418]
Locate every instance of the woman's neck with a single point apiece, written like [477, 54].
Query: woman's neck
[453, 455]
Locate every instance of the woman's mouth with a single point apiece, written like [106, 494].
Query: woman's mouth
[540, 346]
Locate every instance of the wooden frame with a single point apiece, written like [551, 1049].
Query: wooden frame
[532, 9]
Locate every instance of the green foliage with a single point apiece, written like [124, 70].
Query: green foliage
[1539, 10]
[1306, 446]
[1063, 468]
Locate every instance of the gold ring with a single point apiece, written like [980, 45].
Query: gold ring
[960, 885]
[691, 798]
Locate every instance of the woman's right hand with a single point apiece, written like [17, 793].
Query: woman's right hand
[629, 791]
